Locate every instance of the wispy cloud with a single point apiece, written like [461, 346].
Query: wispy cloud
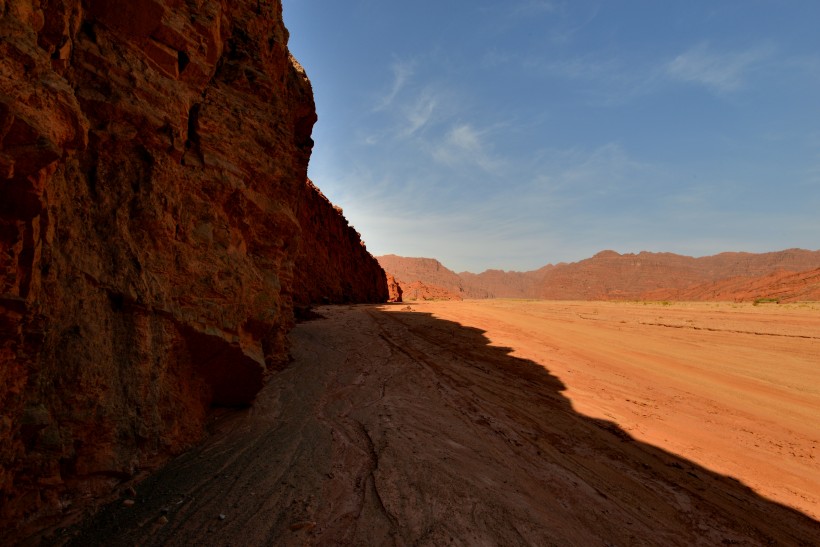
[579, 68]
[402, 71]
[604, 79]
[587, 174]
[565, 34]
[414, 100]
[463, 144]
[533, 7]
[611, 80]
[722, 72]
[418, 112]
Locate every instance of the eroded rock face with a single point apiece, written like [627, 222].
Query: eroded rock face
[156, 228]
[612, 276]
[429, 271]
[607, 276]
[780, 286]
[333, 265]
[394, 291]
[418, 290]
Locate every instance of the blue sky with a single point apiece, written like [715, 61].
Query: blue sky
[513, 134]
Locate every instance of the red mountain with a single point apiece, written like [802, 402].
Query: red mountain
[608, 275]
[781, 286]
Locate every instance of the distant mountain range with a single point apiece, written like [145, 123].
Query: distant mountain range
[789, 275]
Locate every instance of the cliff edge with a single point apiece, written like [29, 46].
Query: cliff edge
[156, 229]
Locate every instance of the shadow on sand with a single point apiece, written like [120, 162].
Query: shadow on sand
[611, 461]
[532, 468]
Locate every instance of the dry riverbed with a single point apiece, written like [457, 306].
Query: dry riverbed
[509, 423]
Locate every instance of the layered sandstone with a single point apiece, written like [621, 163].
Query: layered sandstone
[429, 279]
[504, 284]
[780, 286]
[332, 264]
[428, 271]
[418, 290]
[612, 276]
[608, 275]
[394, 292]
[156, 228]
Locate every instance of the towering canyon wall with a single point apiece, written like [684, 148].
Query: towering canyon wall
[328, 249]
[156, 228]
[424, 279]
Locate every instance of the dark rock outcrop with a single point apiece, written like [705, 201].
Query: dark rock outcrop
[393, 289]
[332, 264]
[156, 229]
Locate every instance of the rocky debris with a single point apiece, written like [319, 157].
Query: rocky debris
[156, 228]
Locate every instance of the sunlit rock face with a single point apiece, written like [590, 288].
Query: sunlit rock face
[612, 276]
[156, 228]
[393, 289]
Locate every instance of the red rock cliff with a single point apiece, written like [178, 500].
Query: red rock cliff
[333, 264]
[155, 229]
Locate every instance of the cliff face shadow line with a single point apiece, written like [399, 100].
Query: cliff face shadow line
[394, 427]
[532, 393]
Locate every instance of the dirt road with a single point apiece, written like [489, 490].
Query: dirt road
[603, 425]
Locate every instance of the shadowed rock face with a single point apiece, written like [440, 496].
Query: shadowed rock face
[333, 264]
[156, 227]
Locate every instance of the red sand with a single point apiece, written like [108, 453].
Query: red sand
[510, 423]
[735, 388]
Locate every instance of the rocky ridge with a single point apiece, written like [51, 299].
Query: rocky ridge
[505, 284]
[418, 290]
[612, 276]
[423, 279]
[606, 276]
[156, 229]
[780, 286]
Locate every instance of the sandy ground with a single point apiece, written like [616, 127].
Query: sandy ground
[509, 423]
[732, 387]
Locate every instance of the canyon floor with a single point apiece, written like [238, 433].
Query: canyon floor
[509, 423]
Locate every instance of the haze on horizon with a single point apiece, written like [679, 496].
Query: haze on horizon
[511, 135]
